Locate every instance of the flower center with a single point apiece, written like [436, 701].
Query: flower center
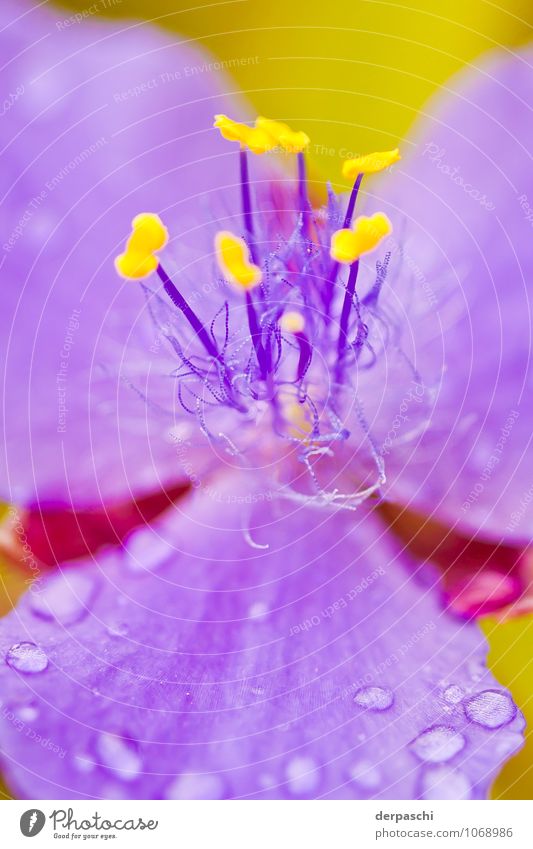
[290, 331]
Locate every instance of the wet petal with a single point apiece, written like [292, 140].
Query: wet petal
[246, 647]
[102, 122]
[458, 289]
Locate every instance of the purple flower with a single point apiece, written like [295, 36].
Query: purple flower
[266, 636]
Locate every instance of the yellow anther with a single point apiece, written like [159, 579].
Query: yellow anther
[234, 262]
[149, 232]
[371, 163]
[367, 233]
[254, 138]
[135, 266]
[229, 129]
[292, 141]
[148, 235]
[292, 322]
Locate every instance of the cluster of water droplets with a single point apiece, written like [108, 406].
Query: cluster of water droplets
[435, 750]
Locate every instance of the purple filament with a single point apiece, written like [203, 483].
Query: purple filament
[346, 309]
[247, 203]
[306, 355]
[346, 224]
[179, 301]
[255, 333]
[351, 203]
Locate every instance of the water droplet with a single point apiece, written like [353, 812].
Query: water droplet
[117, 629]
[438, 744]
[27, 713]
[454, 694]
[83, 763]
[302, 776]
[366, 775]
[374, 698]
[119, 755]
[196, 787]
[476, 668]
[490, 708]
[257, 610]
[518, 723]
[66, 597]
[146, 551]
[507, 743]
[444, 782]
[26, 657]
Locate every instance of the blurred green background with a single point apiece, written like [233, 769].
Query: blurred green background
[354, 74]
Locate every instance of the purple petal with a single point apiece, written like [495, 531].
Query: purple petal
[462, 451]
[245, 647]
[102, 122]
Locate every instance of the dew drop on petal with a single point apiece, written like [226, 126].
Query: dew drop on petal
[507, 743]
[196, 787]
[302, 776]
[366, 775]
[27, 713]
[266, 780]
[257, 610]
[119, 755]
[490, 708]
[27, 658]
[146, 551]
[438, 744]
[65, 597]
[374, 698]
[83, 763]
[117, 629]
[454, 694]
[444, 782]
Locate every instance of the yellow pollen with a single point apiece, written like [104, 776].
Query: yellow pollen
[292, 141]
[148, 235]
[234, 262]
[254, 138]
[292, 322]
[367, 233]
[371, 163]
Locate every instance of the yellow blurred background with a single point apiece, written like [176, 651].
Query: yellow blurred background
[354, 73]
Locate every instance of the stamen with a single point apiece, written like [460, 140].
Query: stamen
[148, 235]
[353, 199]
[254, 138]
[247, 203]
[179, 301]
[371, 163]
[346, 247]
[302, 194]
[355, 169]
[291, 141]
[293, 322]
[232, 256]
